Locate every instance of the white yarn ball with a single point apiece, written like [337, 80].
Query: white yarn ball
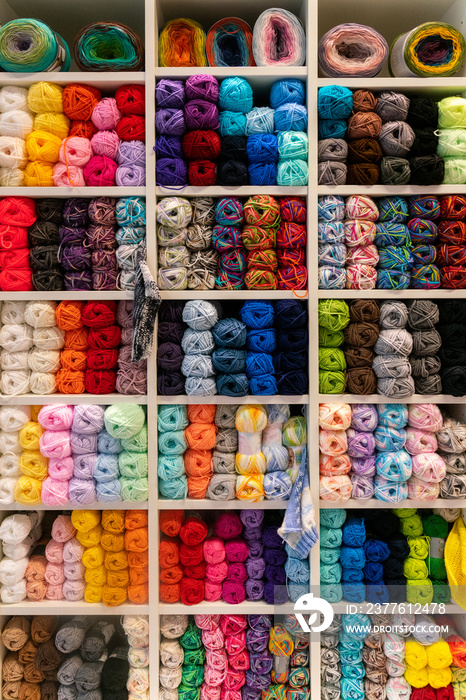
[16, 123]
[9, 464]
[16, 337]
[13, 311]
[12, 571]
[15, 528]
[12, 97]
[9, 442]
[44, 360]
[14, 383]
[15, 593]
[13, 152]
[40, 314]
[13, 418]
[7, 491]
[14, 360]
[11, 177]
[42, 383]
[49, 338]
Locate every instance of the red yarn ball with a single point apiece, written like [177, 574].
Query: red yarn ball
[291, 235]
[17, 211]
[100, 381]
[16, 280]
[15, 259]
[453, 255]
[292, 277]
[201, 145]
[452, 232]
[99, 314]
[85, 129]
[291, 256]
[452, 206]
[201, 173]
[131, 128]
[13, 237]
[453, 277]
[102, 359]
[131, 99]
[104, 338]
[293, 209]
[100, 171]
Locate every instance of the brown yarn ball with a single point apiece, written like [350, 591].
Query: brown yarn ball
[362, 174]
[361, 380]
[364, 124]
[364, 150]
[361, 335]
[364, 101]
[359, 357]
[364, 310]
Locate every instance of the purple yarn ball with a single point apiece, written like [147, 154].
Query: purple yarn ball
[171, 172]
[363, 487]
[364, 417]
[360, 444]
[168, 147]
[130, 176]
[169, 93]
[202, 87]
[170, 122]
[200, 114]
[78, 281]
[132, 153]
[364, 466]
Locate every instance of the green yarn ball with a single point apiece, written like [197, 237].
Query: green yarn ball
[330, 339]
[333, 314]
[124, 420]
[331, 382]
[332, 359]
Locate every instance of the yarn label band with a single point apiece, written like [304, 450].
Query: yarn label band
[437, 547]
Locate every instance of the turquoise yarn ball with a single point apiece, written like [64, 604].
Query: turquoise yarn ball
[332, 517]
[174, 489]
[230, 333]
[174, 417]
[332, 129]
[235, 95]
[170, 466]
[285, 91]
[357, 625]
[292, 173]
[334, 102]
[293, 144]
[291, 117]
[232, 123]
[260, 120]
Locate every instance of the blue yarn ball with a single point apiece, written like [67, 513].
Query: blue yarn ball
[291, 117]
[229, 360]
[107, 443]
[106, 468]
[108, 491]
[276, 458]
[334, 102]
[170, 466]
[394, 466]
[264, 340]
[232, 385]
[352, 557]
[230, 333]
[373, 572]
[423, 254]
[356, 625]
[391, 233]
[235, 95]
[297, 570]
[174, 489]
[333, 593]
[262, 148]
[264, 385]
[389, 439]
[232, 123]
[393, 279]
[352, 574]
[330, 277]
[395, 258]
[347, 643]
[331, 232]
[259, 363]
[331, 208]
[377, 593]
[257, 314]
[277, 486]
[354, 532]
[332, 129]
[354, 671]
[296, 590]
[332, 517]
[393, 415]
[394, 209]
[260, 120]
[425, 277]
[354, 592]
[349, 653]
[376, 550]
[263, 174]
[288, 90]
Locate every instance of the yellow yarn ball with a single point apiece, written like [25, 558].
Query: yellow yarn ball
[439, 655]
[96, 576]
[93, 556]
[251, 464]
[32, 463]
[93, 594]
[415, 654]
[55, 123]
[38, 174]
[29, 436]
[45, 97]
[439, 678]
[251, 418]
[35, 413]
[416, 678]
[85, 520]
[42, 145]
[28, 490]
[91, 537]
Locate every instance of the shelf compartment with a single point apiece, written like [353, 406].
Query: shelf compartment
[219, 294]
[205, 504]
[65, 295]
[118, 505]
[218, 399]
[49, 607]
[377, 398]
[70, 399]
[221, 191]
[221, 608]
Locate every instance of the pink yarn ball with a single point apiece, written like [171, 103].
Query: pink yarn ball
[105, 143]
[106, 115]
[74, 571]
[212, 591]
[68, 175]
[54, 492]
[100, 171]
[430, 467]
[54, 417]
[207, 622]
[363, 255]
[54, 592]
[54, 552]
[420, 441]
[425, 416]
[419, 490]
[61, 469]
[63, 530]
[75, 150]
[361, 277]
[73, 551]
[55, 443]
[359, 233]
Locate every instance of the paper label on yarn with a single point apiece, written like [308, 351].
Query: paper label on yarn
[437, 547]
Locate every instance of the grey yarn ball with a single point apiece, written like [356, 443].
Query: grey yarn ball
[391, 366]
[398, 388]
[332, 149]
[392, 341]
[393, 314]
[392, 106]
[332, 172]
[396, 139]
[394, 171]
[423, 314]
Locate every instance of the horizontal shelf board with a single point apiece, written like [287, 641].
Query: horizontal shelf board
[237, 294]
[375, 503]
[342, 607]
[273, 72]
[376, 398]
[218, 191]
[118, 505]
[218, 399]
[70, 399]
[65, 607]
[104, 80]
[205, 504]
[444, 86]
[222, 608]
[59, 296]
[65, 192]
[391, 293]
[390, 190]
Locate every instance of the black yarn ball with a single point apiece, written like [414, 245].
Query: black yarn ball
[48, 209]
[392, 568]
[295, 383]
[293, 339]
[43, 257]
[422, 113]
[43, 233]
[452, 311]
[232, 172]
[171, 311]
[289, 361]
[234, 148]
[382, 527]
[290, 313]
[397, 590]
[454, 381]
[453, 335]
[399, 547]
[427, 170]
[169, 332]
[170, 383]
[48, 281]
[451, 356]
[425, 143]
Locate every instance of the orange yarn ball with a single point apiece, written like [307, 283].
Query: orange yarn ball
[76, 339]
[68, 315]
[86, 129]
[70, 381]
[201, 413]
[80, 100]
[73, 359]
[198, 463]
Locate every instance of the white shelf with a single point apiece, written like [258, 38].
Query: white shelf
[375, 503]
[391, 294]
[117, 505]
[104, 80]
[205, 504]
[376, 398]
[60, 296]
[231, 191]
[221, 608]
[65, 192]
[218, 399]
[64, 607]
[390, 190]
[70, 399]
[220, 294]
